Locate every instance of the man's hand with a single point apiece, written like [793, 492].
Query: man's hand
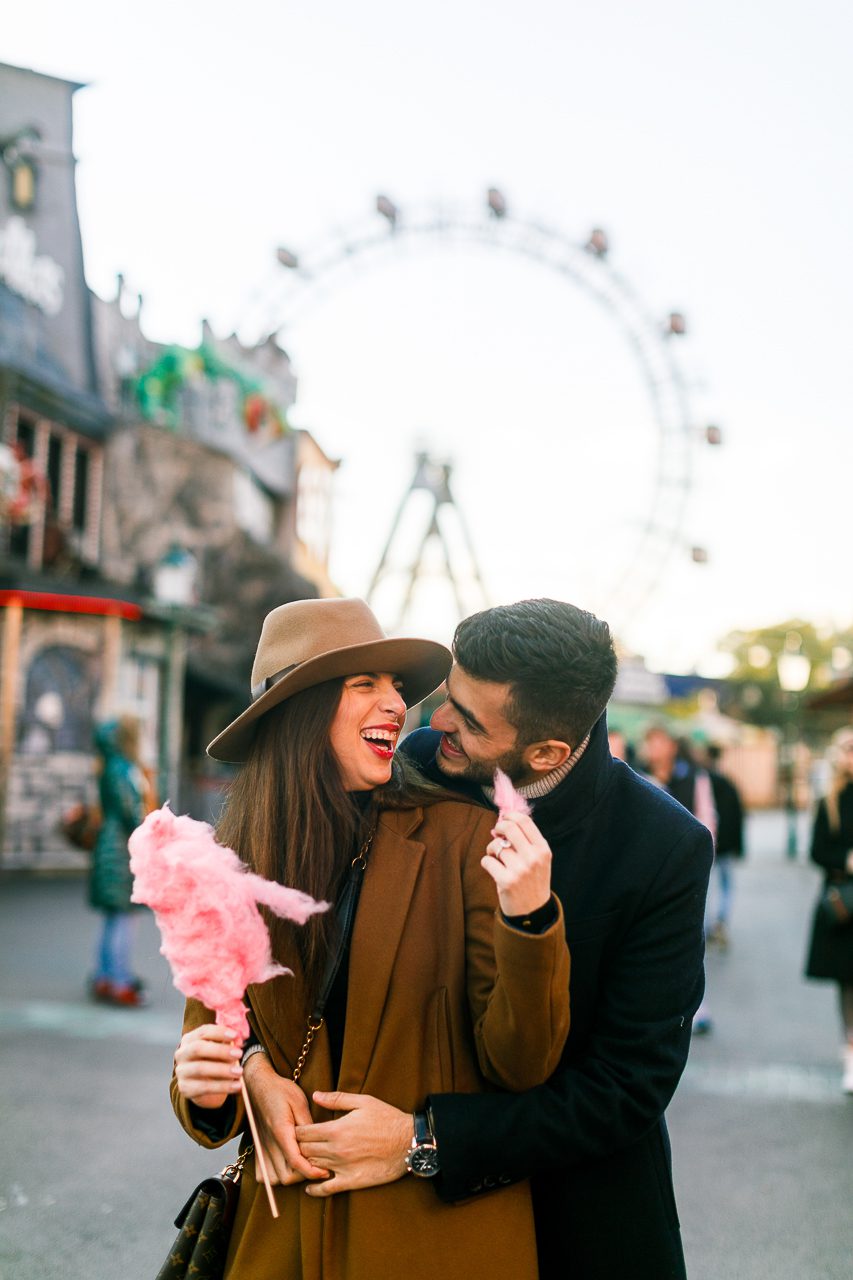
[519, 861]
[364, 1148]
[279, 1106]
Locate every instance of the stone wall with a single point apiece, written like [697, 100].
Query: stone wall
[162, 488]
[41, 789]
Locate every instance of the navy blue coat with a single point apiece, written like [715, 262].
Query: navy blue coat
[631, 869]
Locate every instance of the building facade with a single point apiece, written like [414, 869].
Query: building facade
[154, 505]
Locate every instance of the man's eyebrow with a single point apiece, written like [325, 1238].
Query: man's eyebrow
[463, 711]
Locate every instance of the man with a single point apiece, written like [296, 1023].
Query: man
[527, 693]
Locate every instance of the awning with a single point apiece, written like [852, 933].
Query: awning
[840, 695]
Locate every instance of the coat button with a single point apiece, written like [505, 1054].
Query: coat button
[490, 1182]
[504, 1180]
[478, 1186]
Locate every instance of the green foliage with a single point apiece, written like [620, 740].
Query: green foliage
[755, 693]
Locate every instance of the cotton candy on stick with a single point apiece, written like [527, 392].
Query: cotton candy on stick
[205, 902]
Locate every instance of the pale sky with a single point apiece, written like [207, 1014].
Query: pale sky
[713, 143]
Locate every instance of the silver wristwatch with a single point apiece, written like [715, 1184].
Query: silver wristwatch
[250, 1053]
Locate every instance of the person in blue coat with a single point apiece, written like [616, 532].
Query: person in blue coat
[122, 788]
[528, 692]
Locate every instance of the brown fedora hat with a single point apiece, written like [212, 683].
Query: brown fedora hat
[309, 641]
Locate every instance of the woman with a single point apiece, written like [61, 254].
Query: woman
[433, 995]
[831, 947]
[122, 788]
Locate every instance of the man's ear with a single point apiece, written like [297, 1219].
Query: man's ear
[542, 757]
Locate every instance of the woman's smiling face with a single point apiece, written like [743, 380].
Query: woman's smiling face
[366, 727]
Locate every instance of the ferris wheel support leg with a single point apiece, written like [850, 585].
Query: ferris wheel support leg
[478, 577]
[460, 603]
[414, 572]
[383, 559]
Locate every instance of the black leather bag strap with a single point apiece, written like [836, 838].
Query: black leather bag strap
[345, 911]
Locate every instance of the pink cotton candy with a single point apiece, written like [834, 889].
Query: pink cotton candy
[205, 904]
[507, 798]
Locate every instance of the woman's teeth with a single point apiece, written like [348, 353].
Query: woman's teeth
[382, 741]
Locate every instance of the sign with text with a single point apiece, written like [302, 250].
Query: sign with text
[38, 280]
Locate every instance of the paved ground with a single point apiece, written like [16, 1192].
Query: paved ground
[96, 1166]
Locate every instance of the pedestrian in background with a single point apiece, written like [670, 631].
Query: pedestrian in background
[729, 846]
[831, 945]
[670, 764]
[621, 748]
[123, 789]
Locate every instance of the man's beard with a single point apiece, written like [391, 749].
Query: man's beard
[483, 771]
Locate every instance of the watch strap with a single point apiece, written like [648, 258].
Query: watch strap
[257, 1047]
[423, 1132]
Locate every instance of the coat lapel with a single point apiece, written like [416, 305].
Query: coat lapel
[392, 873]
[280, 1009]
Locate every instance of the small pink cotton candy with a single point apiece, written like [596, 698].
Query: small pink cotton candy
[507, 798]
[205, 903]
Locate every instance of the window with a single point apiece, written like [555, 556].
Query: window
[60, 693]
[57, 513]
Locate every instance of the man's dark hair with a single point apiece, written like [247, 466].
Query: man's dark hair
[558, 660]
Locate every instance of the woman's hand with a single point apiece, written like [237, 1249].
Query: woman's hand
[279, 1106]
[519, 861]
[207, 1065]
[364, 1148]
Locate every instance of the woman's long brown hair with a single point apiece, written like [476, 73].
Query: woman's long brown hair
[289, 818]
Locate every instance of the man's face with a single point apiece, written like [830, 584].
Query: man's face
[477, 737]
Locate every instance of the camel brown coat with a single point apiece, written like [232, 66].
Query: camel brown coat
[441, 994]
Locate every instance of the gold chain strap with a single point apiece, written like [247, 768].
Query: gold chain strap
[360, 859]
[235, 1171]
[313, 1028]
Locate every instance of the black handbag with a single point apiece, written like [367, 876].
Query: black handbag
[204, 1224]
[836, 903]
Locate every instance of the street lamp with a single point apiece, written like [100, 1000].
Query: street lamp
[175, 587]
[793, 669]
[19, 153]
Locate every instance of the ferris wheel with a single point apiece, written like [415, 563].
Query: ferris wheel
[658, 535]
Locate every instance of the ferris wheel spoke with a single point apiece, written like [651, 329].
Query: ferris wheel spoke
[586, 265]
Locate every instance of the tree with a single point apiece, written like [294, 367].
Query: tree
[754, 692]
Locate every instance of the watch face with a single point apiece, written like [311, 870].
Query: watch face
[423, 1161]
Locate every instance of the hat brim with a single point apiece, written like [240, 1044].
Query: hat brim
[422, 665]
